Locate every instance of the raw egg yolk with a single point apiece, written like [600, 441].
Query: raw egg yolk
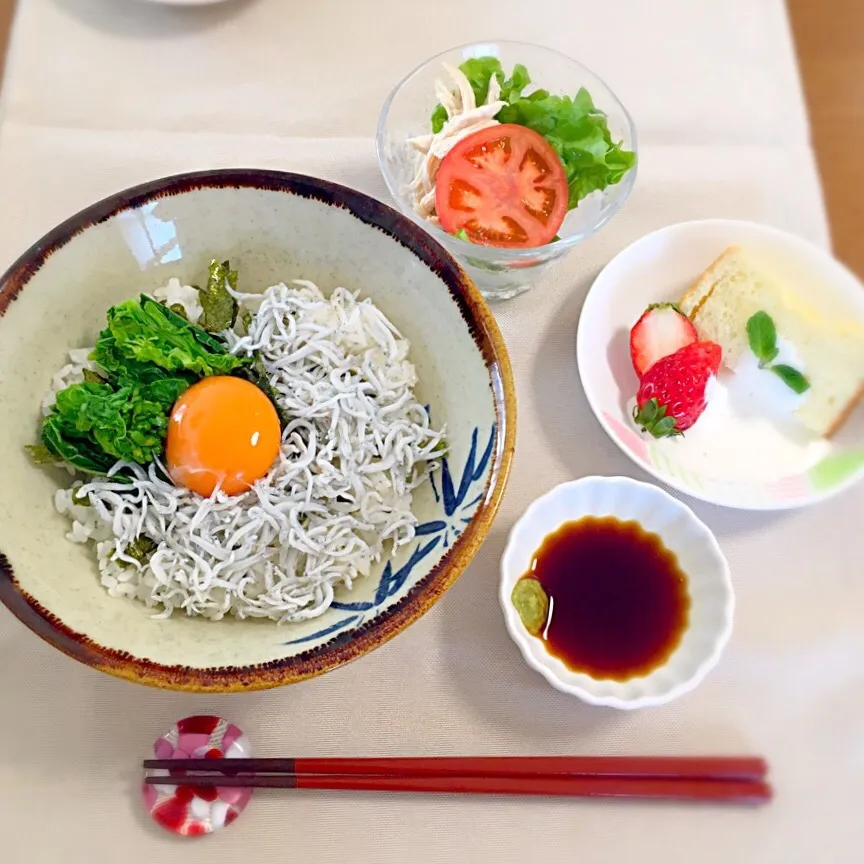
[223, 431]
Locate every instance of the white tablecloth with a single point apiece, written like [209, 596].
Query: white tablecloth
[101, 94]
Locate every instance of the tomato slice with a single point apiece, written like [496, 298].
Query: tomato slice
[502, 186]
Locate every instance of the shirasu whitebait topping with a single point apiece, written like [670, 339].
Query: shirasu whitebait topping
[355, 445]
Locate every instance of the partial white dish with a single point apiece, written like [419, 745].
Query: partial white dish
[747, 450]
[186, 2]
[699, 556]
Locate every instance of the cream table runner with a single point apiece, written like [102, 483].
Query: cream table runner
[101, 94]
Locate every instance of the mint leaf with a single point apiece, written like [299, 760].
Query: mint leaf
[792, 378]
[762, 336]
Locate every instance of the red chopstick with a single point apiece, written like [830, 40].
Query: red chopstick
[689, 789]
[695, 767]
[739, 779]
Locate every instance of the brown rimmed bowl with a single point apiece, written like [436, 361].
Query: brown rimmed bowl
[275, 227]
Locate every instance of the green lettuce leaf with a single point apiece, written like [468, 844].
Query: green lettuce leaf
[512, 87]
[479, 72]
[148, 332]
[439, 118]
[579, 134]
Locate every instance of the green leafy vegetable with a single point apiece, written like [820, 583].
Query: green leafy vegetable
[479, 72]
[532, 603]
[579, 134]
[141, 549]
[791, 377]
[149, 332]
[128, 423]
[149, 354]
[577, 130]
[439, 118]
[462, 234]
[512, 87]
[82, 453]
[211, 343]
[762, 336]
[220, 308]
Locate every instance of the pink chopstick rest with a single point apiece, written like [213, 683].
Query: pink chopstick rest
[190, 810]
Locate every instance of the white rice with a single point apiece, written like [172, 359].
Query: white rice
[339, 495]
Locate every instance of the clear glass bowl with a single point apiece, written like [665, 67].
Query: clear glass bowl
[500, 273]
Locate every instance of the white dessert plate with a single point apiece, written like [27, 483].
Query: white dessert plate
[712, 600]
[747, 450]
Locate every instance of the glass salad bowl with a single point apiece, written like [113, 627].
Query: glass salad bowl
[501, 273]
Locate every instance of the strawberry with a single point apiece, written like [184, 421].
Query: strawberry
[661, 331]
[671, 396]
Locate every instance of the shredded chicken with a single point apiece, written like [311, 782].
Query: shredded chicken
[464, 118]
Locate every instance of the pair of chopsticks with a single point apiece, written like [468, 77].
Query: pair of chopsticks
[736, 779]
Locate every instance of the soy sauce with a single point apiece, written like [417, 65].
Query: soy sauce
[618, 599]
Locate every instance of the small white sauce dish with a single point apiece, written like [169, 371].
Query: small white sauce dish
[699, 556]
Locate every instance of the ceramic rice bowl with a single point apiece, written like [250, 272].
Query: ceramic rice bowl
[273, 227]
